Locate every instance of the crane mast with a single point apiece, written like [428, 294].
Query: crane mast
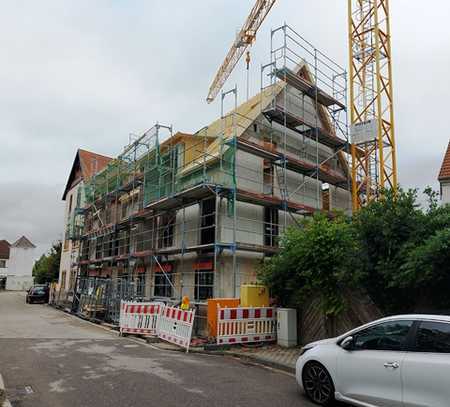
[244, 39]
[374, 166]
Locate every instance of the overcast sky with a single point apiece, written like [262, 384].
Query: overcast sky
[86, 73]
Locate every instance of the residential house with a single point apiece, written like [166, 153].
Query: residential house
[84, 166]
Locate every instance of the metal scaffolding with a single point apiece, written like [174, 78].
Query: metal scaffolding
[172, 212]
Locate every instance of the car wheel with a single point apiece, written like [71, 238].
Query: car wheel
[318, 384]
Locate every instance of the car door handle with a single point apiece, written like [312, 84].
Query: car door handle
[393, 365]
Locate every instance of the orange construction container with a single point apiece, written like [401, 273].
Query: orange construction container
[213, 304]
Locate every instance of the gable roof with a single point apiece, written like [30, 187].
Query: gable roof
[4, 249]
[87, 164]
[445, 168]
[246, 114]
[23, 243]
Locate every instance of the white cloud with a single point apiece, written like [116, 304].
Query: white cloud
[86, 74]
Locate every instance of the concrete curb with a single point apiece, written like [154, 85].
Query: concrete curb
[4, 402]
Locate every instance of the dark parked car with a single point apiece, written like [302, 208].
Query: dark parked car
[38, 293]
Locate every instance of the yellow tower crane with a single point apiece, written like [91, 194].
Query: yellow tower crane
[374, 166]
[245, 38]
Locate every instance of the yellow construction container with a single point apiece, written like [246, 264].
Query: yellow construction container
[254, 295]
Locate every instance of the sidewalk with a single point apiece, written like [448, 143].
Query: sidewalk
[269, 355]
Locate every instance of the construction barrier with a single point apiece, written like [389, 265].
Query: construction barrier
[246, 325]
[175, 326]
[139, 317]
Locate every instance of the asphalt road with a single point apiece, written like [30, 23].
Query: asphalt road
[51, 359]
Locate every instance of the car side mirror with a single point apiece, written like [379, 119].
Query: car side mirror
[348, 343]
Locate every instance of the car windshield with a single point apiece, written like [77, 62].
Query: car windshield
[38, 291]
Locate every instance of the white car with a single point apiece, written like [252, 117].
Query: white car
[397, 361]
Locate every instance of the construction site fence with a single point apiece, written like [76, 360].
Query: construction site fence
[99, 299]
[246, 325]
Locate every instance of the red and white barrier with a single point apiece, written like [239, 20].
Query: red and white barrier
[246, 325]
[139, 317]
[175, 326]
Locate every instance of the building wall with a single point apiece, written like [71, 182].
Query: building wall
[70, 248]
[445, 192]
[19, 283]
[20, 268]
[4, 270]
[340, 199]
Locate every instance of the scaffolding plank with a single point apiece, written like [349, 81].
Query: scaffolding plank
[186, 197]
[290, 77]
[293, 122]
[325, 138]
[325, 174]
[273, 201]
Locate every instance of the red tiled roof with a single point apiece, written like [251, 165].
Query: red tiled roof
[92, 162]
[87, 163]
[445, 168]
[4, 249]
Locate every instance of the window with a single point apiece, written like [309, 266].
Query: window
[208, 229]
[179, 158]
[385, 336]
[433, 337]
[167, 229]
[70, 203]
[270, 226]
[268, 179]
[162, 286]
[204, 285]
[140, 285]
[2, 264]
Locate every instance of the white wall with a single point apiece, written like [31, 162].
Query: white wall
[19, 283]
[70, 253]
[21, 261]
[445, 187]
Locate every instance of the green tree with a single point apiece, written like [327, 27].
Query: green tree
[387, 229]
[46, 269]
[320, 258]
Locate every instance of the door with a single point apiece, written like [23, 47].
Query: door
[426, 378]
[370, 372]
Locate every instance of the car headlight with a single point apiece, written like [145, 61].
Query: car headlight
[305, 349]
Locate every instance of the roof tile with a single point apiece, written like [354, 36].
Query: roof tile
[445, 168]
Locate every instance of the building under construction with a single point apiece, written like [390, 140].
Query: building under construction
[194, 214]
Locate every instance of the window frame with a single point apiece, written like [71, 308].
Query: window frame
[410, 337]
[166, 287]
[198, 274]
[413, 340]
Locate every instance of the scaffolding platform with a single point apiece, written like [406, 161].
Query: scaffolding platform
[301, 84]
[278, 115]
[186, 197]
[274, 202]
[325, 174]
